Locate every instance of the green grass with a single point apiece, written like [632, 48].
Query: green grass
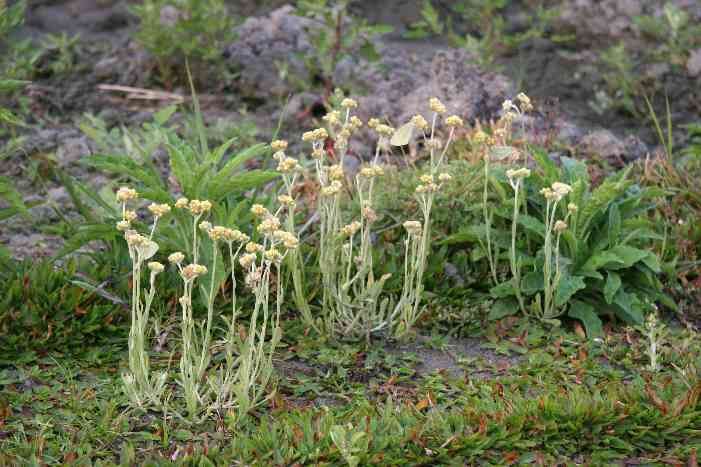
[527, 396]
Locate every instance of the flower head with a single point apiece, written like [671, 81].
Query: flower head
[155, 267]
[247, 260]
[560, 226]
[287, 164]
[454, 121]
[518, 174]
[197, 207]
[193, 271]
[159, 210]
[259, 210]
[437, 106]
[278, 145]
[176, 258]
[413, 227]
[419, 122]
[125, 194]
[348, 103]
[350, 229]
[286, 200]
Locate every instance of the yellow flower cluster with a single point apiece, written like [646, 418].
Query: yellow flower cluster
[331, 190]
[437, 106]
[419, 122]
[195, 206]
[350, 229]
[372, 171]
[193, 271]
[269, 225]
[454, 121]
[413, 227]
[320, 134]
[159, 210]
[278, 145]
[125, 194]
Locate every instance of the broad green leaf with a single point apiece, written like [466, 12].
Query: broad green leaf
[613, 284]
[586, 314]
[653, 262]
[604, 259]
[628, 255]
[532, 282]
[502, 308]
[567, 287]
[628, 307]
[505, 289]
[532, 224]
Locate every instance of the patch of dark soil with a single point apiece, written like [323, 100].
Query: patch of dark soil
[448, 359]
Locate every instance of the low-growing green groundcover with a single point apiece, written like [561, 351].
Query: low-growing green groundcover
[526, 397]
